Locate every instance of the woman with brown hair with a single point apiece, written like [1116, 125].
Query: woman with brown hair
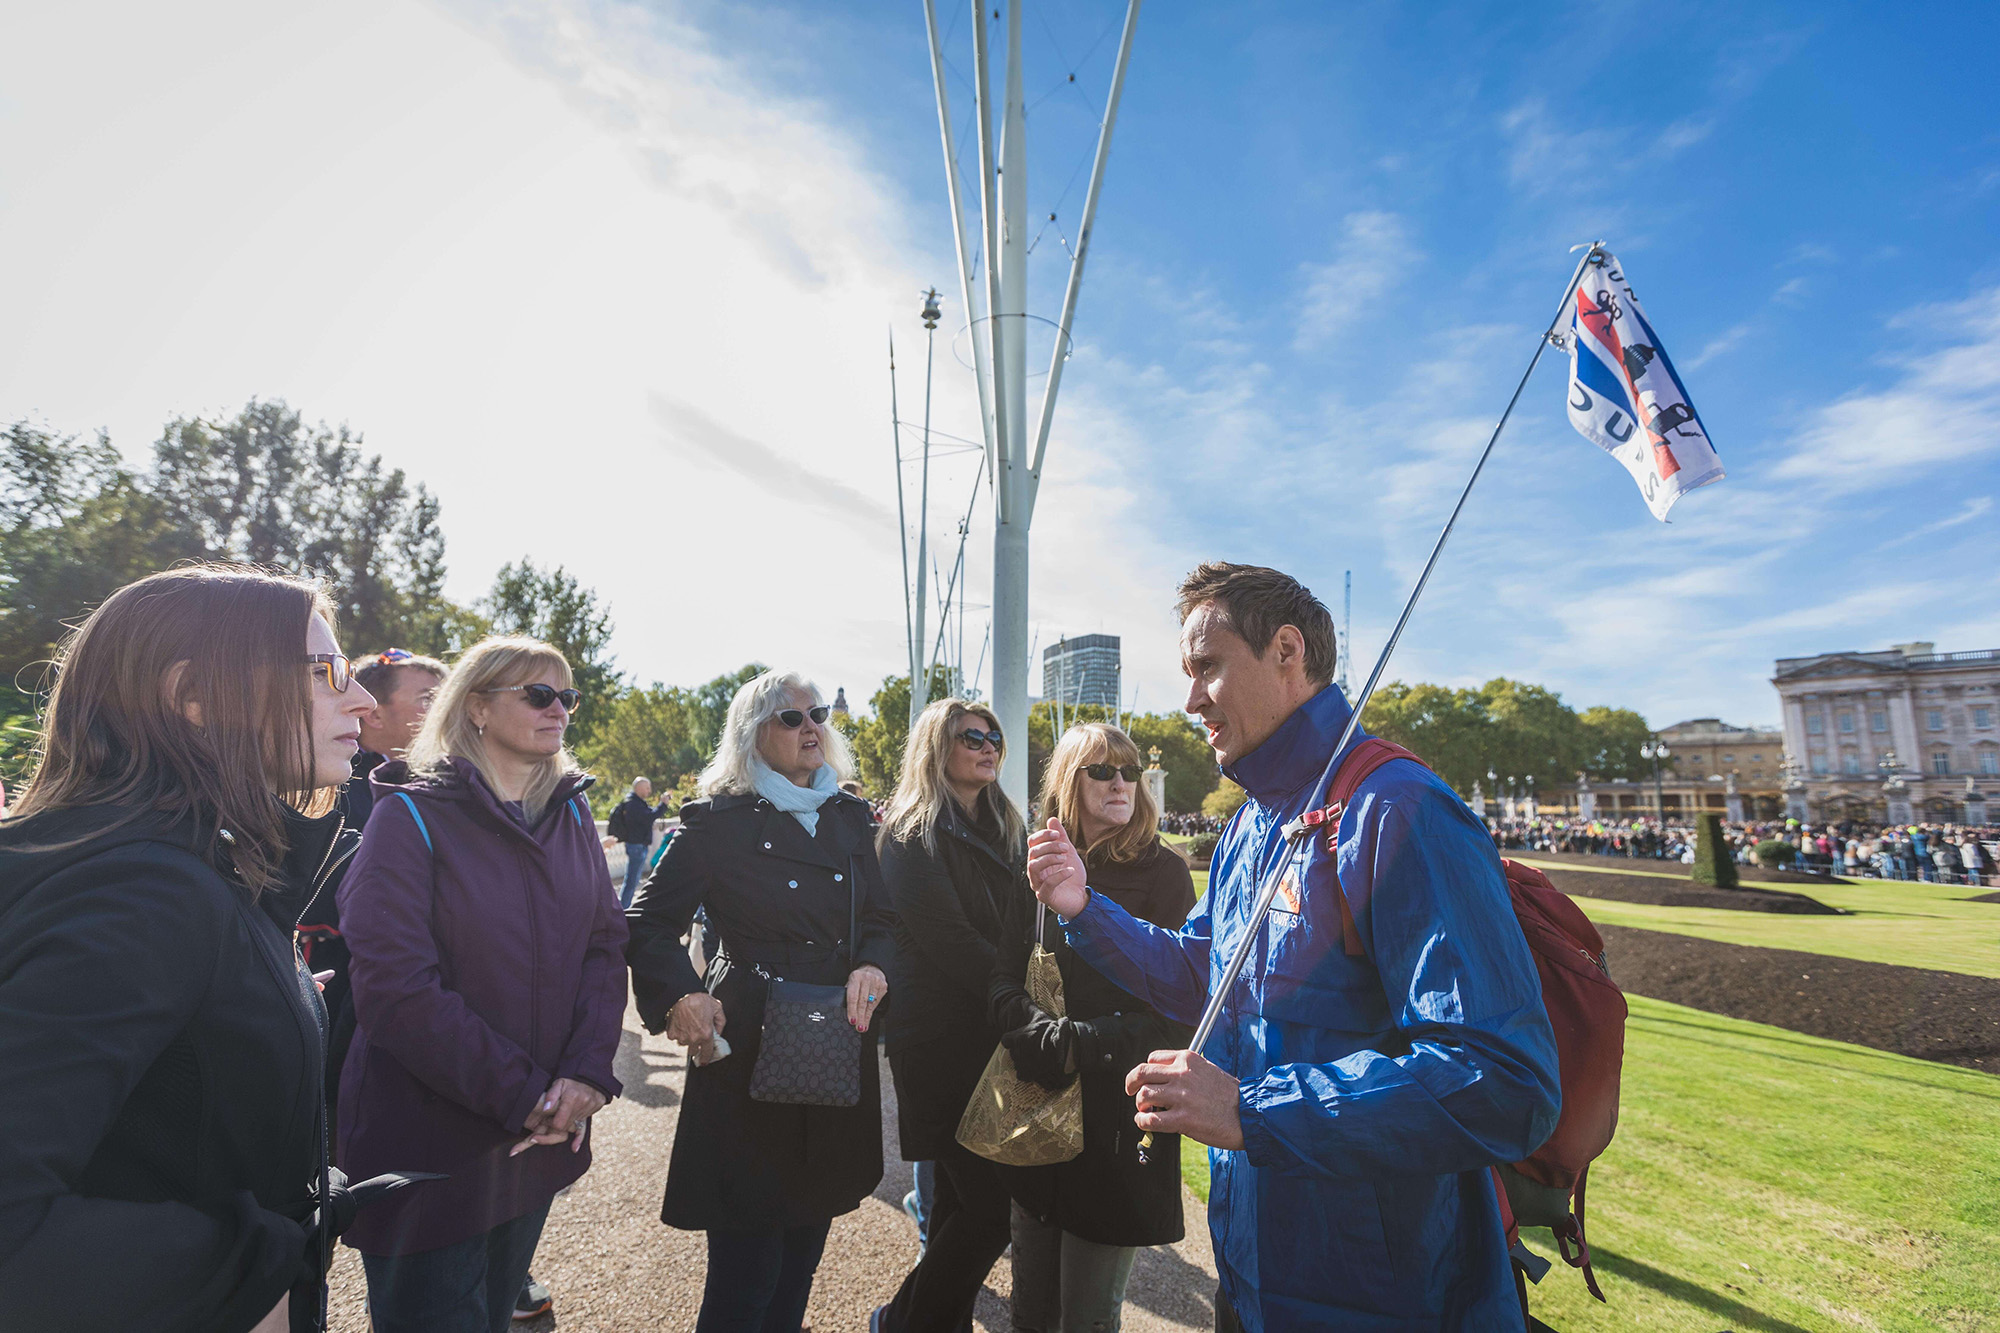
[163, 1045]
[489, 991]
[1077, 1225]
[954, 859]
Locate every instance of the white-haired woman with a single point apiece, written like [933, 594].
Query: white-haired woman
[953, 854]
[781, 862]
[489, 991]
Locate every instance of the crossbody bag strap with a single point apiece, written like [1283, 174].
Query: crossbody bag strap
[853, 909]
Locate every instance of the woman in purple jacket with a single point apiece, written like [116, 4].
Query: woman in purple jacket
[489, 991]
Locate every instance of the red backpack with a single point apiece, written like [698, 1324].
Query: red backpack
[1586, 1010]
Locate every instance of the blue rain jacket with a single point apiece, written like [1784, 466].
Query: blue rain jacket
[1375, 1090]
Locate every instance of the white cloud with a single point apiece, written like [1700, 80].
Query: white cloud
[1719, 345]
[1373, 251]
[1977, 507]
[1944, 408]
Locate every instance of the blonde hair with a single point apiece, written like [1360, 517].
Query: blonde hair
[1062, 792]
[921, 791]
[761, 699]
[448, 731]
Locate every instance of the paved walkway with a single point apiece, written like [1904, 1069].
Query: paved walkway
[615, 1269]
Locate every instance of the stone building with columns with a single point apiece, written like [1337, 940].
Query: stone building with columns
[1930, 721]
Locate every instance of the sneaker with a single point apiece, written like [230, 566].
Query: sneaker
[910, 1207]
[534, 1300]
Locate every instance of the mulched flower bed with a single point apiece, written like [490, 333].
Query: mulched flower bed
[1943, 1016]
[1603, 882]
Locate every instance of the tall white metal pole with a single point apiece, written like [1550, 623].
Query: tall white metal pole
[1013, 468]
[1010, 532]
[982, 368]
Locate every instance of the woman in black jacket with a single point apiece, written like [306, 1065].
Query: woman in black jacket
[953, 855]
[1077, 1225]
[781, 861]
[163, 1045]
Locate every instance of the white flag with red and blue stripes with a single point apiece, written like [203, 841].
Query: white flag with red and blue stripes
[1624, 396]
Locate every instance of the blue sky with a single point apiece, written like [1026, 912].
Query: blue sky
[675, 235]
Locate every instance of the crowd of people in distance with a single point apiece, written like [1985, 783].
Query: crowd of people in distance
[1938, 853]
[1187, 826]
[297, 950]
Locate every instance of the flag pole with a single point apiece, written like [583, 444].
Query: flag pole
[1295, 830]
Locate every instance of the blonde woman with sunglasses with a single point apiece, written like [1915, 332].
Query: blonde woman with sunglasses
[489, 991]
[954, 856]
[1077, 1225]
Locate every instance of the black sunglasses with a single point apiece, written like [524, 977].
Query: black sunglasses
[336, 670]
[793, 718]
[1105, 772]
[541, 696]
[975, 739]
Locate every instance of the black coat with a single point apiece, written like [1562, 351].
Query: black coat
[1106, 1194]
[774, 897]
[635, 818]
[950, 905]
[163, 1092]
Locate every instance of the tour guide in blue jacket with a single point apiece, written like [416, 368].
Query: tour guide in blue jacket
[1349, 1187]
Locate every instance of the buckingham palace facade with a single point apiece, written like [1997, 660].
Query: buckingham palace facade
[1910, 721]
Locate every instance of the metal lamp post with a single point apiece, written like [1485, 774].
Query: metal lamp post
[1895, 790]
[1656, 750]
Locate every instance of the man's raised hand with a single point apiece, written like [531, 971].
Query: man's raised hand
[1055, 871]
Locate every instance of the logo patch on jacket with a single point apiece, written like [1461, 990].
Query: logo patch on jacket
[1288, 894]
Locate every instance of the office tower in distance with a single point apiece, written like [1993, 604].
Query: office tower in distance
[1082, 670]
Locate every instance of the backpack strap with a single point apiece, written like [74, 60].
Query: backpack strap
[1355, 768]
[404, 797]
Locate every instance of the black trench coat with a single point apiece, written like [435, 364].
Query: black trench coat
[950, 905]
[778, 897]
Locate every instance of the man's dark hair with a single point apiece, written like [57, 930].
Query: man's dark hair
[377, 672]
[1257, 602]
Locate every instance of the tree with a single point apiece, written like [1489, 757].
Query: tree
[878, 740]
[664, 732]
[1506, 727]
[1612, 737]
[1224, 800]
[1184, 753]
[553, 607]
[1449, 729]
[75, 526]
[266, 489]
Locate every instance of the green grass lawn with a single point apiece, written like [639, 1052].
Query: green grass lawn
[1910, 924]
[1768, 1182]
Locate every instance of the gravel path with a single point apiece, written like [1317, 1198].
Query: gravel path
[614, 1268]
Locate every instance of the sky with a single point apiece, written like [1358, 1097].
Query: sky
[617, 282]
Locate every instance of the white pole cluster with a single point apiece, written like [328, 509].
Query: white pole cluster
[1000, 338]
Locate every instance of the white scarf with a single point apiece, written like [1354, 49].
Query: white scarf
[801, 803]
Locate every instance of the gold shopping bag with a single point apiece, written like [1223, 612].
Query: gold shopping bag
[1016, 1122]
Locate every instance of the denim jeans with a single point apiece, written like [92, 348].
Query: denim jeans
[924, 1182]
[464, 1288]
[1064, 1282]
[635, 870]
[760, 1281]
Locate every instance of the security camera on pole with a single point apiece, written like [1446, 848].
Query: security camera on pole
[1000, 338]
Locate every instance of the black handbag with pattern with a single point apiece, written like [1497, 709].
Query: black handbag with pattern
[810, 1054]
